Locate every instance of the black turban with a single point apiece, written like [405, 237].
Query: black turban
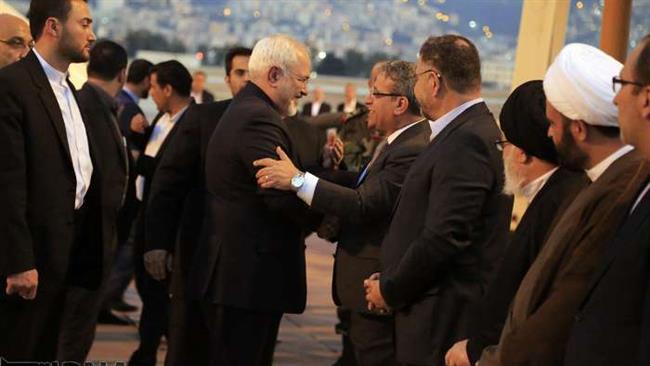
[524, 124]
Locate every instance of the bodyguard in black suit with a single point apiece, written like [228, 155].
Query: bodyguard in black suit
[250, 267]
[176, 213]
[364, 208]
[106, 75]
[51, 219]
[532, 172]
[137, 87]
[612, 326]
[170, 90]
[450, 224]
[318, 97]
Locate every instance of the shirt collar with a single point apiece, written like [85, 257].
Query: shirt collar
[52, 74]
[597, 170]
[178, 115]
[396, 134]
[438, 125]
[135, 98]
[530, 190]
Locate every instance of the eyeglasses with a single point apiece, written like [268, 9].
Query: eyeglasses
[618, 84]
[436, 73]
[378, 94]
[18, 43]
[500, 144]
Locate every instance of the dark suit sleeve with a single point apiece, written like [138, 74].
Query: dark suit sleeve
[178, 168]
[15, 236]
[373, 199]
[259, 140]
[459, 185]
[644, 344]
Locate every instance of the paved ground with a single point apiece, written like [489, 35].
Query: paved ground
[305, 340]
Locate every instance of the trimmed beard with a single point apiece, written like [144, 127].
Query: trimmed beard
[569, 155]
[69, 51]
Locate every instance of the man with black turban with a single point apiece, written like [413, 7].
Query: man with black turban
[532, 171]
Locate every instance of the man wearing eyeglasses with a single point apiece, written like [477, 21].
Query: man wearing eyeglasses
[365, 204]
[451, 221]
[613, 326]
[15, 39]
[585, 130]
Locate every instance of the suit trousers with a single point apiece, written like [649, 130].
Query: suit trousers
[79, 320]
[154, 318]
[373, 339]
[29, 329]
[241, 337]
[188, 334]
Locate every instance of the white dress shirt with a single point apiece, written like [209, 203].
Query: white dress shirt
[597, 170]
[438, 125]
[75, 130]
[350, 107]
[530, 190]
[198, 97]
[638, 199]
[315, 108]
[306, 192]
[158, 135]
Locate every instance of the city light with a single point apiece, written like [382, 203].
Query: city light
[388, 41]
[580, 5]
[472, 24]
[345, 27]
[328, 12]
[313, 75]
[257, 14]
[199, 56]
[322, 55]
[422, 2]
[227, 12]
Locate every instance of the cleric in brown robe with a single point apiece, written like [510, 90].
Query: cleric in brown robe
[584, 128]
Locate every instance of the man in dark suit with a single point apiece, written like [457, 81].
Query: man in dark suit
[170, 90]
[250, 267]
[584, 127]
[612, 325]
[51, 219]
[136, 88]
[176, 212]
[365, 206]
[318, 105]
[131, 118]
[532, 172]
[106, 76]
[199, 93]
[451, 221]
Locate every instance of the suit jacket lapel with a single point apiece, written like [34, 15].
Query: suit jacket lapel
[49, 101]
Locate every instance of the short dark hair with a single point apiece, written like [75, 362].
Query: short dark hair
[138, 71]
[40, 10]
[642, 67]
[107, 59]
[234, 52]
[402, 74]
[175, 74]
[456, 58]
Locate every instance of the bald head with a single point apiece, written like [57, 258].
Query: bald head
[14, 39]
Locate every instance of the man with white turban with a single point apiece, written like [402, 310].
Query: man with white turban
[584, 128]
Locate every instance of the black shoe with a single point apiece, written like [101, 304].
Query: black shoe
[124, 307]
[107, 317]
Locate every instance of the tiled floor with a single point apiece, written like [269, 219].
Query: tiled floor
[306, 339]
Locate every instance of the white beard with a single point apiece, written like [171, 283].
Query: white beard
[513, 181]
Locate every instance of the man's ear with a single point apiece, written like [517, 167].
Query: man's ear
[274, 75]
[579, 130]
[645, 103]
[168, 90]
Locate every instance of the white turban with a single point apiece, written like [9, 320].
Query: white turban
[579, 84]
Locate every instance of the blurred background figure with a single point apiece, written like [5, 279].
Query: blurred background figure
[199, 93]
[318, 105]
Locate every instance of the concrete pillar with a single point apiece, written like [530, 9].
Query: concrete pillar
[615, 29]
[541, 36]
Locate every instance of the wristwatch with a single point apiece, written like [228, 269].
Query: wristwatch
[297, 181]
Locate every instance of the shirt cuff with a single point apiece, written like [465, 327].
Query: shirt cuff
[306, 192]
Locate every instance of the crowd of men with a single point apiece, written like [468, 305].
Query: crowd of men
[209, 204]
